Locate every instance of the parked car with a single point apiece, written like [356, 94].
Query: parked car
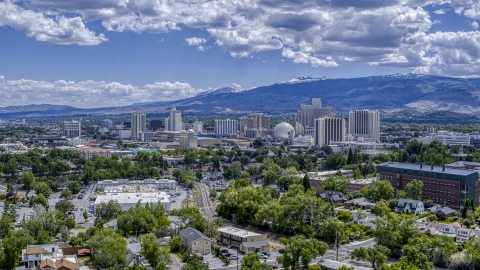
[263, 257]
[81, 222]
[224, 250]
[227, 254]
[233, 257]
[282, 250]
[273, 265]
[266, 253]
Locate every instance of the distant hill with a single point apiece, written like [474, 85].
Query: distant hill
[400, 91]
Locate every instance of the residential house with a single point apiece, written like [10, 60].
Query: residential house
[58, 264]
[332, 265]
[33, 255]
[361, 203]
[236, 237]
[164, 241]
[367, 220]
[454, 230]
[442, 211]
[195, 242]
[337, 197]
[409, 206]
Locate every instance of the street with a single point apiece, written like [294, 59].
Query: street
[204, 202]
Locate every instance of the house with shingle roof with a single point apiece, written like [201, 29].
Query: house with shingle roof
[195, 242]
[409, 206]
[34, 254]
[454, 230]
[58, 264]
[362, 203]
[442, 211]
[337, 197]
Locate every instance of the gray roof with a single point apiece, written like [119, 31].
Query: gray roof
[445, 210]
[401, 202]
[192, 235]
[359, 200]
[331, 264]
[426, 168]
[256, 244]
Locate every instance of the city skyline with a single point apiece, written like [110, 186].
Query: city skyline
[148, 51]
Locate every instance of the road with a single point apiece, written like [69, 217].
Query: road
[204, 202]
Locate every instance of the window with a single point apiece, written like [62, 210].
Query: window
[194, 243]
[206, 242]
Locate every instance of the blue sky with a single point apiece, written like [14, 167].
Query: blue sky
[90, 53]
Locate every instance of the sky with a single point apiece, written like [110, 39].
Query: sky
[90, 53]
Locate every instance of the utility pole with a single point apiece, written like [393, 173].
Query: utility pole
[336, 241]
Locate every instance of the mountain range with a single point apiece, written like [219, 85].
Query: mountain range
[390, 92]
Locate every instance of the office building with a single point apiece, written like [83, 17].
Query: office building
[71, 128]
[305, 118]
[107, 123]
[183, 142]
[198, 127]
[226, 126]
[430, 129]
[139, 124]
[446, 138]
[254, 121]
[174, 122]
[441, 184]
[329, 130]
[365, 124]
[156, 125]
[146, 136]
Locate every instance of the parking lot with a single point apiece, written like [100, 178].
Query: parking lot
[216, 263]
[82, 203]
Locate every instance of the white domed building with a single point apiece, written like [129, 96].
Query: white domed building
[282, 129]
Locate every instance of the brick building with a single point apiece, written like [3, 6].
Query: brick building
[441, 184]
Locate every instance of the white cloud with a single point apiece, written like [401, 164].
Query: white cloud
[440, 11]
[237, 87]
[89, 94]
[58, 29]
[386, 32]
[474, 25]
[301, 57]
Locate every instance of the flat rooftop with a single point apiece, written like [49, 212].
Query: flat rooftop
[132, 198]
[426, 168]
[237, 232]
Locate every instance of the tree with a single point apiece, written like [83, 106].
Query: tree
[297, 248]
[413, 189]
[376, 255]
[74, 186]
[257, 143]
[357, 174]
[40, 199]
[336, 183]
[412, 256]
[381, 209]
[70, 223]
[252, 262]
[350, 156]
[12, 247]
[335, 162]
[163, 223]
[64, 206]
[472, 251]
[66, 193]
[85, 215]
[109, 248]
[42, 188]
[154, 253]
[136, 219]
[6, 225]
[108, 211]
[175, 243]
[306, 182]
[28, 180]
[377, 190]
[437, 248]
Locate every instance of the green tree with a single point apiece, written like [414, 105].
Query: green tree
[350, 156]
[336, 183]
[175, 243]
[357, 174]
[40, 199]
[252, 262]
[70, 223]
[28, 179]
[74, 186]
[412, 256]
[437, 248]
[413, 189]
[381, 209]
[376, 255]
[154, 253]
[66, 193]
[297, 249]
[6, 225]
[109, 248]
[136, 220]
[64, 206]
[472, 251]
[377, 190]
[108, 211]
[12, 247]
[306, 182]
[42, 188]
[335, 162]
[85, 215]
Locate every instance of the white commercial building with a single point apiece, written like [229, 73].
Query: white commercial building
[226, 126]
[128, 199]
[305, 118]
[446, 138]
[138, 124]
[123, 185]
[71, 128]
[364, 123]
[329, 130]
[198, 127]
[174, 122]
[283, 130]
[146, 136]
